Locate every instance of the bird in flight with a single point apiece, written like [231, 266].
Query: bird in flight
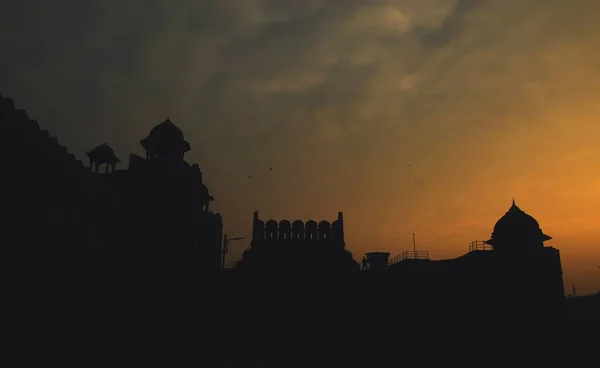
[250, 176]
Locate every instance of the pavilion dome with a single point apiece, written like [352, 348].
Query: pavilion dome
[516, 226]
[166, 130]
[166, 137]
[103, 153]
[516, 219]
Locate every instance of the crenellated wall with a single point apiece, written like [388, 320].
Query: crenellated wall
[53, 206]
[309, 231]
[285, 245]
[20, 134]
[47, 219]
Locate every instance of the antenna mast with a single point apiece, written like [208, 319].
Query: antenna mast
[414, 245]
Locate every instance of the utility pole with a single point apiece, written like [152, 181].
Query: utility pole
[226, 248]
[414, 246]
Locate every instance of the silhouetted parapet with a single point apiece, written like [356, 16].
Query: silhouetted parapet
[165, 142]
[102, 155]
[517, 231]
[297, 243]
[298, 230]
[337, 229]
[258, 229]
[272, 231]
[324, 231]
[310, 231]
[285, 230]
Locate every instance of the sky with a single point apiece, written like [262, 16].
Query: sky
[486, 100]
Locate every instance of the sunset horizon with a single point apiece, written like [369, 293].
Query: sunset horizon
[409, 116]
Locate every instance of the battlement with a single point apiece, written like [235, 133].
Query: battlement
[37, 148]
[20, 134]
[286, 231]
[284, 246]
[82, 209]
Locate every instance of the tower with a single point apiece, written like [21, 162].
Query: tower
[524, 266]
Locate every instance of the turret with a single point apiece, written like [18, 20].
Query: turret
[165, 143]
[100, 155]
[517, 231]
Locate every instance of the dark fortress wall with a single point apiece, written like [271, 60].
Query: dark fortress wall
[479, 275]
[47, 200]
[294, 246]
[58, 217]
[165, 229]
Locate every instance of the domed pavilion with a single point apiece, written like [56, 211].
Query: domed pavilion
[103, 154]
[165, 143]
[517, 231]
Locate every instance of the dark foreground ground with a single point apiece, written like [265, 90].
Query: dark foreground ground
[183, 322]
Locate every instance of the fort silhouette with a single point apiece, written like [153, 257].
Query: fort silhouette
[101, 264]
[286, 246]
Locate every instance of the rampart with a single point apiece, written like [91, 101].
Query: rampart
[59, 216]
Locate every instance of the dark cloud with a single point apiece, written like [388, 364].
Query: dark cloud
[451, 27]
[231, 69]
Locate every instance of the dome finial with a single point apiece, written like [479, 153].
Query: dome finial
[514, 201]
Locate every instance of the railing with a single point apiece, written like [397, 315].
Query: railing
[479, 245]
[409, 254]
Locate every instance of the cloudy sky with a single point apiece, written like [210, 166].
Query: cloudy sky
[484, 99]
